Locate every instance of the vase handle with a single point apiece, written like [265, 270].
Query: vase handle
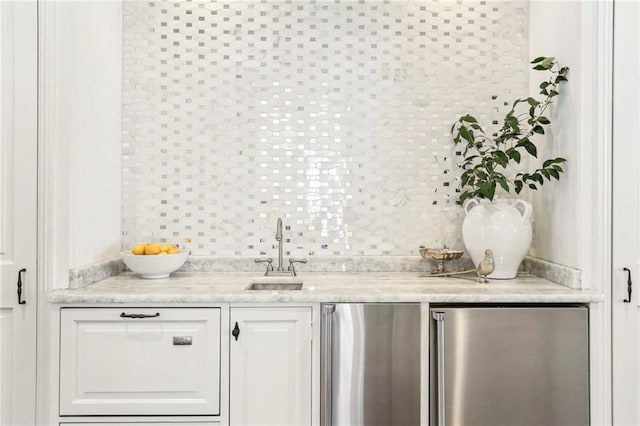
[526, 209]
[468, 205]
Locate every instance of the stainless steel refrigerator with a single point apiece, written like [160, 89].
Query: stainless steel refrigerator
[507, 366]
[370, 364]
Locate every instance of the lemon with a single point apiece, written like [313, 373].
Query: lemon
[139, 249]
[165, 248]
[162, 253]
[173, 250]
[151, 249]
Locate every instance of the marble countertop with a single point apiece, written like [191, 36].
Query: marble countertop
[336, 287]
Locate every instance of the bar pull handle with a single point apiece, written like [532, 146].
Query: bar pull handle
[629, 285]
[123, 315]
[236, 331]
[182, 340]
[441, 403]
[326, 364]
[20, 272]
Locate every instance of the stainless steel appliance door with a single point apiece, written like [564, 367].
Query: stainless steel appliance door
[371, 364]
[509, 366]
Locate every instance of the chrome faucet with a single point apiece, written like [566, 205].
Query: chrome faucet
[279, 240]
[279, 270]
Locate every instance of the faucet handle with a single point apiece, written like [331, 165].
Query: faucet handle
[292, 268]
[268, 261]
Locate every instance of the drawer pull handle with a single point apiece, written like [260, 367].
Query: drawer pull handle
[123, 315]
[182, 340]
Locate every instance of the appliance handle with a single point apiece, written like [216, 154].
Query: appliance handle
[441, 406]
[326, 355]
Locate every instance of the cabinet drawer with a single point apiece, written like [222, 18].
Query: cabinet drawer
[140, 361]
[143, 424]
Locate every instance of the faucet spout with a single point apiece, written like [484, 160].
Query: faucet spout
[279, 240]
[279, 230]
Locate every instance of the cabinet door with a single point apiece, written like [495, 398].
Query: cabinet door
[270, 366]
[134, 361]
[18, 210]
[625, 305]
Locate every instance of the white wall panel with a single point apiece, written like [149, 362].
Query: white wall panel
[87, 105]
[556, 29]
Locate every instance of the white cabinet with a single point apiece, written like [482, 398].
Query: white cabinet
[270, 366]
[140, 361]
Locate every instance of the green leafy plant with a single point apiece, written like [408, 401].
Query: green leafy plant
[486, 158]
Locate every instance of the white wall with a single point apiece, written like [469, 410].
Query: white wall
[86, 110]
[88, 130]
[556, 29]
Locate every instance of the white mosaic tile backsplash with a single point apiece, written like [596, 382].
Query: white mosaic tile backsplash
[333, 115]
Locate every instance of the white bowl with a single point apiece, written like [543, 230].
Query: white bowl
[153, 266]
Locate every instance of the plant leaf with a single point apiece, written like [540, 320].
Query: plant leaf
[503, 183]
[532, 102]
[502, 159]
[512, 121]
[545, 173]
[538, 129]
[514, 154]
[531, 148]
[466, 134]
[548, 62]
[538, 178]
[518, 185]
[489, 189]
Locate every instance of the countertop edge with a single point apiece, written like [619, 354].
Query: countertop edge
[323, 299]
[201, 288]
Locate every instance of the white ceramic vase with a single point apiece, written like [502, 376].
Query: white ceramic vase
[501, 227]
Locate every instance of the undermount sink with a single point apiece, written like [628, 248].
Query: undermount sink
[275, 283]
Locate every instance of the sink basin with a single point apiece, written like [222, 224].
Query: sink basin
[275, 283]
